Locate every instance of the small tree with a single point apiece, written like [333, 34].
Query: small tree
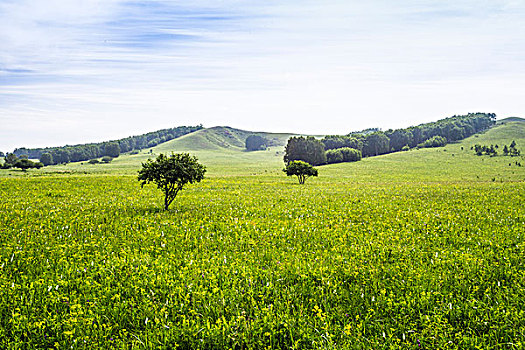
[171, 173]
[301, 169]
[513, 151]
[10, 159]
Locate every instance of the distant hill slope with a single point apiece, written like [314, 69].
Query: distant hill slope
[503, 133]
[511, 119]
[456, 162]
[222, 151]
[219, 138]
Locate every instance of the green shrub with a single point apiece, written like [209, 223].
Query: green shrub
[334, 156]
[350, 154]
[436, 141]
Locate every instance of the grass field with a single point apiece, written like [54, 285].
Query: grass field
[415, 250]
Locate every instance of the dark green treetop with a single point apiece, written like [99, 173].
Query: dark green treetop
[301, 169]
[170, 174]
[307, 149]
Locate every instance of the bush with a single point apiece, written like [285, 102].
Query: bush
[94, 161]
[25, 164]
[107, 159]
[334, 156]
[350, 154]
[436, 141]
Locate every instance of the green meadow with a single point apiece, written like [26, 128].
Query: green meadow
[422, 249]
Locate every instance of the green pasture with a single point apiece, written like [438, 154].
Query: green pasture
[421, 249]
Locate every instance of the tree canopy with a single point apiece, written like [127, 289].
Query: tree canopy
[307, 149]
[25, 164]
[12, 161]
[372, 142]
[46, 159]
[300, 169]
[112, 149]
[171, 174]
[88, 151]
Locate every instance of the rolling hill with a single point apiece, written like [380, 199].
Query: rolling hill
[219, 138]
[221, 149]
[511, 119]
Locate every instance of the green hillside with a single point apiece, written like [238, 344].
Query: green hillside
[221, 149]
[454, 162]
[218, 138]
[511, 119]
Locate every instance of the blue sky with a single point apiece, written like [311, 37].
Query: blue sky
[91, 70]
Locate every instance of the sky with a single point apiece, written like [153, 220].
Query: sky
[82, 71]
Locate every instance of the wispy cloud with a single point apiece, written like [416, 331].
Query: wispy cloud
[86, 70]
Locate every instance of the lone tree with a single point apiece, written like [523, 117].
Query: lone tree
[171, 173]
[301, 169]
[10, 159]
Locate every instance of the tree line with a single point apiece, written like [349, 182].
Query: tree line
[12, 161]
[83, 152]
[373, 142]
[492, 150]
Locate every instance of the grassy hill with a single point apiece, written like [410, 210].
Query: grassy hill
[454, 162]
[221, 149]
[511, 119]
[218, 138]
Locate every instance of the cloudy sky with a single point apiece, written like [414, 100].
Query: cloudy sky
[75, 71]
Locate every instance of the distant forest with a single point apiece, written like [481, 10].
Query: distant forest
[373, 142]
[433, 134]
[82, 152]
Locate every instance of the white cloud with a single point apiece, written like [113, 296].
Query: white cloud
[82, 71]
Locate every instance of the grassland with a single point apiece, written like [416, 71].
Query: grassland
[419, 249]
